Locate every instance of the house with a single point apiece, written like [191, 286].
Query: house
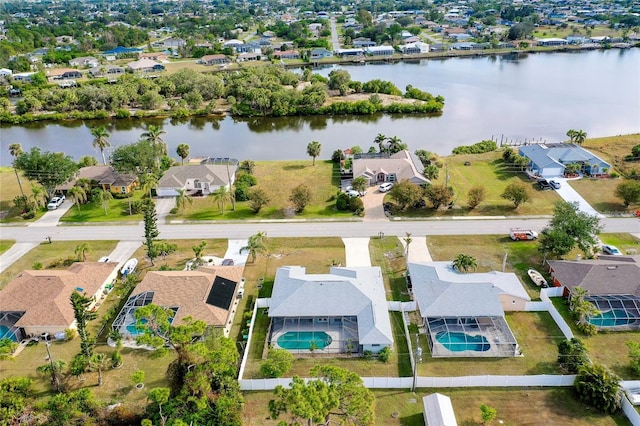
[145, 65]
[248, 56]
[438, 410]
[378, 168]
[104, 177]
[207, 294]
[349, 52]
[63, 74]
[414, 48]
[23, 76]
[106, 71]
[379, 50]
[84, 61]
[37, 301]
[342, 311]
[120, 51]
[287, 54]
[319, 53]
[551, 42]
[363, 42]
[550, 160]
[201, 178]
[174, 43]
[612, 284]
[154, 56]
[464, 312]
[464, 45]
[214, 60]
[5, 72]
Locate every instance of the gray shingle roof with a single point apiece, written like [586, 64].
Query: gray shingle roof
[403, 164]
[215, 174]
[600, 277]
[344, 291]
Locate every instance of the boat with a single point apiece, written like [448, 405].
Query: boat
[129, 267]
[537, 278]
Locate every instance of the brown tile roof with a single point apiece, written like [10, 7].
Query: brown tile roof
[44, 295]
[101, 175]
[606, 275]
[188, 290]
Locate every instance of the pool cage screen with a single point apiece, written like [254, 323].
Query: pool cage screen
[470, 337]
[343, 333]
[621, 311]
[8, 330]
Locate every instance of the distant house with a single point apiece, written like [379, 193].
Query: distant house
[105, 178]
[174, 43]
[214, 59]
[612, 284]
[207, 294]
[464, 45]
[349, 52]
[414, 48]
[145, 65]
[23, 76]
[319, 53]
[363, 42]
[84, 61]
[37, 302]
[63, 74]
[380, 50]
[248, 56]
[106, 71]
[550, 160]
[464, 312]
[203, 178]
[287, 54]
[154, 56]
[119, 51]
[5, 72]
[551, 42]
[389, 168]
[342, 311]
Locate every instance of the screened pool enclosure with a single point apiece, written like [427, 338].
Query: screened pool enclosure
[617, 311]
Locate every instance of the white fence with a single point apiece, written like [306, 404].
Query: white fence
[547, 305]
[401, 306]
[245, 356]
[263, 302]
[630, 411]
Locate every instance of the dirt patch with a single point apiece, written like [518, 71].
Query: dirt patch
[4, 214]
[386, 99]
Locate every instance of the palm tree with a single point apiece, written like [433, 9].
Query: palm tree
[38, 196]
[464, 263]
[100, 140]
[407, 240]
[78, 195]
[395, 145]
[98, 362]
[222, 196]
[81, 251]
[313, 150]
[149, 182]
[183, 151]
[153, 135]
[572, 135]
[380, 140]
[15, 149]
[183, 198]
[255, 245]
[102, 197]
[54, 368]
[579, 136]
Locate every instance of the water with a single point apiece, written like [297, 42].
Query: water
[6, 333]
[458, 342]
[611, 318]
[528, 96]
[133, 328]
[302, 340]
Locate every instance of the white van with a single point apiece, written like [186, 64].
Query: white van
[385, 187]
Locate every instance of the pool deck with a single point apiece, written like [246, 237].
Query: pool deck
[496, 338]
[337, 334]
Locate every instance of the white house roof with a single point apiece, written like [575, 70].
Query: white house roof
[403, 164]
[143, 63]
[438, 410]
[215, 174]
[343, 291]
[441, 291]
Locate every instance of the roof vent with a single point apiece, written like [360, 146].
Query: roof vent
[611, 268]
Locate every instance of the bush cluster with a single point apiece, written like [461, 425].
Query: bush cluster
[476, 148]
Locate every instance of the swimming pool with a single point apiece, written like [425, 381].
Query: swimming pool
[611, 318]
[133, 328]
[303, 339]
[458, 342]
[6, 333]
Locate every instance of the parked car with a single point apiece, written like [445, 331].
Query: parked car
[55, 202]
[352, 193]
[350, 190]
[609, 249]
[522, 234]
[227, 262]
[385, 187]
[544, 184]
[554, 184]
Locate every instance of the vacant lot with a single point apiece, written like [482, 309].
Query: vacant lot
[515, 407]
[613, 149]
[184, 253]
[600, 193]
[9, 189]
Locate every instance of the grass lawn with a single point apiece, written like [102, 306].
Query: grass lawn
[515, 406]
[613, 149]
[388, 254]
[57, 255]
[118, 210]
[278, 178]
[600, 193]
[9, 189]
[625, 242]
[178, 259]
[6, 245]
[546, 31]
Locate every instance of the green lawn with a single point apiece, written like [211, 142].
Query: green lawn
[600, 194]
[178, 260]
[117, 210]
[9, 189]
[388, 254]
[6, 245]
[546, 31]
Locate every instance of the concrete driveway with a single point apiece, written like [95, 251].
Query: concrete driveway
[14, 253]
[357, 251]
[418, 250]
[571, 195]
[233, 251]
[123, 251]
[373, 210]
[52, 217]
[164, 206]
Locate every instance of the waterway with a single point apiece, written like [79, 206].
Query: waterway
[508, 97]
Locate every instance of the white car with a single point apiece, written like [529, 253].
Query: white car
[385, 187]
[352, 193]
[55, 202]
[609, 249]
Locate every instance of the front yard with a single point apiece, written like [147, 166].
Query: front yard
[600, 194]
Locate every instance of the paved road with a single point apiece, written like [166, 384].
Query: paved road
[295, 229]
[335, 41]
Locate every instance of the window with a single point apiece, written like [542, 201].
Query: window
[123, 189]
[375, 345]
[197, 183]
[321, 319]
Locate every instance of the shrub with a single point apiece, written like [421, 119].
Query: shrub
[385, 354]
[242, 193]
[116, 359]
[342, 201]
[136, 207]
[278, 362]
[355, 204]
[70, 334]
[477, 148]
[587, 328]
[366, 355]
[337, 156]
[28, 214]
[174, 210]
[38, 266]
[246, 179]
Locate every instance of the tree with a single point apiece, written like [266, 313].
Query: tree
[599, 387]
[569, 228]
[49, 169]
[278, 362]
[98, 362]
[53, 368]
[150, 228]
[407, 241]
[38, 196]
[439, 195]
[100, 140]
[183, 199]
[15, 149]
[395, 145]
[248, 166]
[572, 355]
[7, 348]
[258, 198]
[577, 136]
[405, 194]
[464, 263]
[475, 196]
[381, 141]
[153, 136]
[517, 193]
[571, 133]
[222, 196]
[635, 152]
[87, 160]
[629, 192]
[149, 182]
[78, 195]
[160, 396]
[487, 413]
[425, 157]
[81, 251]
[102, 197]
[360, 184]
[313, 150]
[337, 156]
[300, 197]
[138, 377]
[140, 158]
[339, 80]
[183, 152]
[431, 172]
[255, 245]
[83, 315]
[198, 250]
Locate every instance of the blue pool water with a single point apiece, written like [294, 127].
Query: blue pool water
[303, 339]
[133, 329]
[6, 333]
[458, 342]
[611, 318]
